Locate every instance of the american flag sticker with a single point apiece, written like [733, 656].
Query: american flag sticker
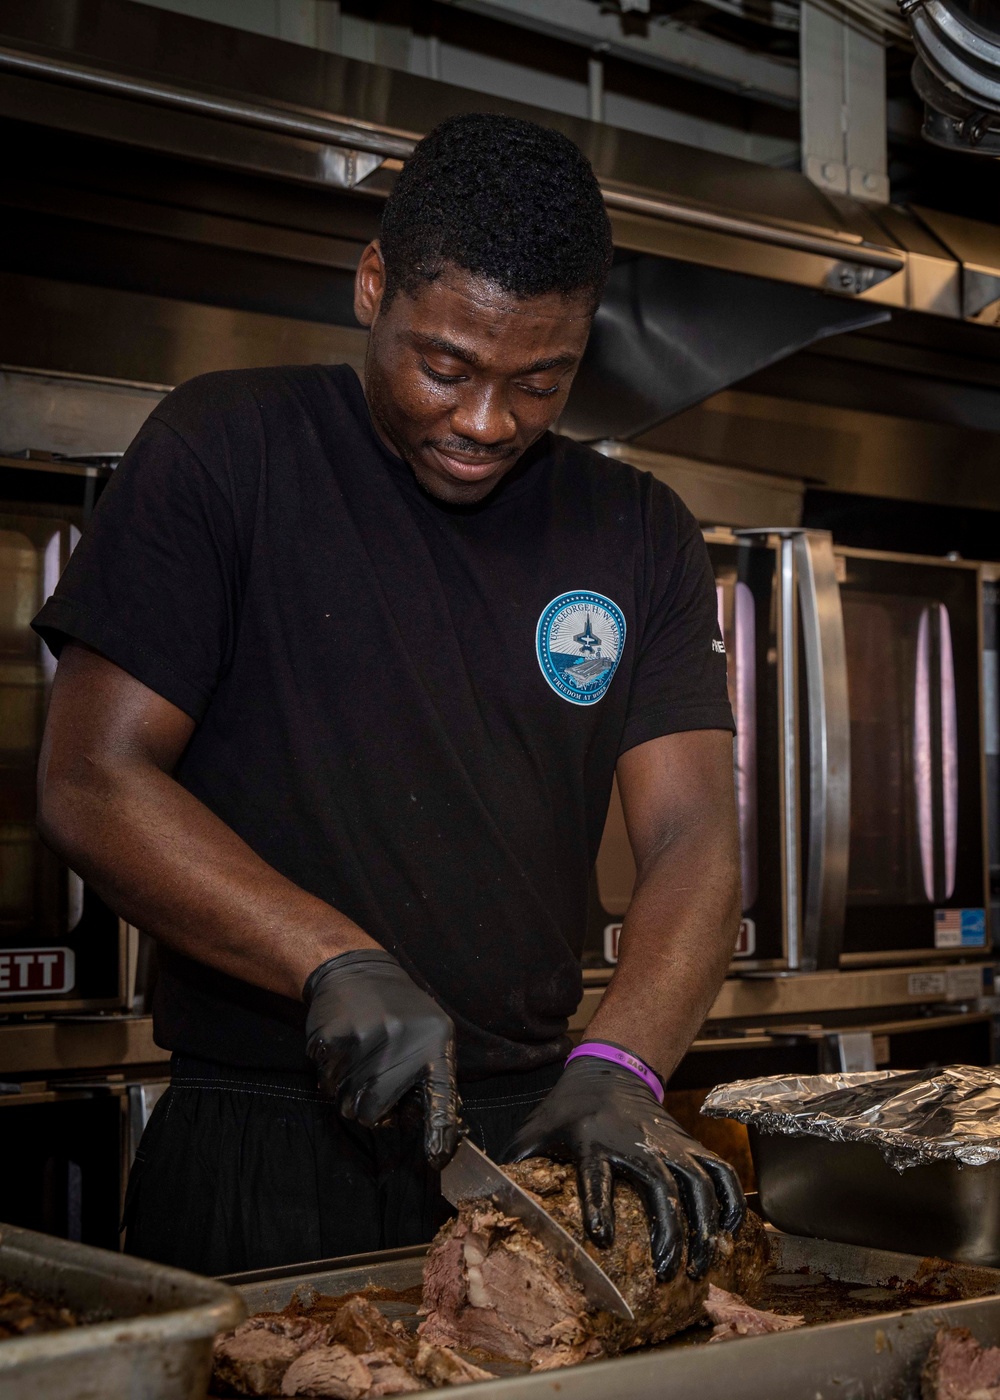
[959, 928]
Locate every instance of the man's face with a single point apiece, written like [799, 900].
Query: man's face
[462, 377]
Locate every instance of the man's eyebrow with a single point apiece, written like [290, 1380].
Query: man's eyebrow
[448, 347]
[556, 362]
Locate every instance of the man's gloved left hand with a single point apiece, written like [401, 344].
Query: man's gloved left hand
[604, 1118]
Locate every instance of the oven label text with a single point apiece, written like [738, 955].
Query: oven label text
[26, 972]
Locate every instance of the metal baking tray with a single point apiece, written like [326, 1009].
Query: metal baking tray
[848, 1191]
[877, 1355]
[152, 1337]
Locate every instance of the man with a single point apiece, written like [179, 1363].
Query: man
[344, 678]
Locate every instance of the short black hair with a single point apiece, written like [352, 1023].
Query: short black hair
[508, 200]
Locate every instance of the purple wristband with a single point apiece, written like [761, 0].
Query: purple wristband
[598, 1050]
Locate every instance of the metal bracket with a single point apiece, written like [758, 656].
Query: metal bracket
[843, 105]
[853, 278]
[852, 1051]
[348, 168]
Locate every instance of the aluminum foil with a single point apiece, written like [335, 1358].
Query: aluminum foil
[912, 1116]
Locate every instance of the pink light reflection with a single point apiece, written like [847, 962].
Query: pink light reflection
[746, 739]
[922, 754]
[949, 753]
[741, 661]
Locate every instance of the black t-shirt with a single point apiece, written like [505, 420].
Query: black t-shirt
[411, 710]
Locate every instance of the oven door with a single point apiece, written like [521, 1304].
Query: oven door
[917, 865]
[746, 586]
[61, 947]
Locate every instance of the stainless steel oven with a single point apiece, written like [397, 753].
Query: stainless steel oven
[61, 947]
[917, 862]
[747, 575]
[747, 572]
[856, 681]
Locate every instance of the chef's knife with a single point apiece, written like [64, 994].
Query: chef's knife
[471, 1176]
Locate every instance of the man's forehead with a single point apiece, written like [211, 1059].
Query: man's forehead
[481, 300]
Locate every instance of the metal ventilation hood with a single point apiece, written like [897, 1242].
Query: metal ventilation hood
[724, 266]
[668, 334]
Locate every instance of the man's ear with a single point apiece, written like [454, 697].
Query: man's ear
[369, 285]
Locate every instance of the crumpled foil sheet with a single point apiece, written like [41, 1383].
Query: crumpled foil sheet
[912, 1116]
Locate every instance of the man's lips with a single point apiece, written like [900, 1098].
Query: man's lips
[465, 468]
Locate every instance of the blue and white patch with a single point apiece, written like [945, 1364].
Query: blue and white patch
[579, 640]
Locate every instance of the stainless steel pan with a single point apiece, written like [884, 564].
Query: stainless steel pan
[848, 1191]
[154, 1337]
[877, 1356]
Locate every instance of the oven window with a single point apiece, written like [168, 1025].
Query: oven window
[904, 749]
[32, 553]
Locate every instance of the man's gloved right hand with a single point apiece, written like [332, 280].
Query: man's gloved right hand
[374, 1035]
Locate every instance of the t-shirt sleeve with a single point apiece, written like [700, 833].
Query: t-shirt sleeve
[679, 682]
[153, 584]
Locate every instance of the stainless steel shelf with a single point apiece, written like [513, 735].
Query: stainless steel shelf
[801, 993]
[50, 1048]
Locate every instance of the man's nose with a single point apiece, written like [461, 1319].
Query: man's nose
[484, 418]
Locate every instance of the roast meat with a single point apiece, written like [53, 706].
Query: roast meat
[26, 1314]
[491, 1287]
[733, 1317]
[253, 1359]
[958, 1368]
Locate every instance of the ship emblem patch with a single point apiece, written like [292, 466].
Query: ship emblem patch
[579, 640]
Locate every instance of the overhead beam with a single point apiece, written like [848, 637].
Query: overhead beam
[666, 44]
[775, 14]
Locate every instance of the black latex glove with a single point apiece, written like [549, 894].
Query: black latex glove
[604, 1119]
[374, 1035]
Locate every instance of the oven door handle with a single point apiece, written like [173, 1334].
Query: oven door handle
[824, 897]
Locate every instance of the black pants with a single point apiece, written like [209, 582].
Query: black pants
[244, 1169]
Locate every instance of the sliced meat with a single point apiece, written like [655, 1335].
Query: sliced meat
[349, 1350]
[735, 1318]
[328, 1370]
[385, 1350]
[253, 1359]
[389, 1375]
[958, 1368]
[359, 1325]
[491, 1287]
[508, 1297]
[440, 1366]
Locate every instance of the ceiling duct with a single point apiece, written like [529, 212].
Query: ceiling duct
[957, 71]
[668, 334]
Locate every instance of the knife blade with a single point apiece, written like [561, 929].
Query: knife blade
[471, 1176]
